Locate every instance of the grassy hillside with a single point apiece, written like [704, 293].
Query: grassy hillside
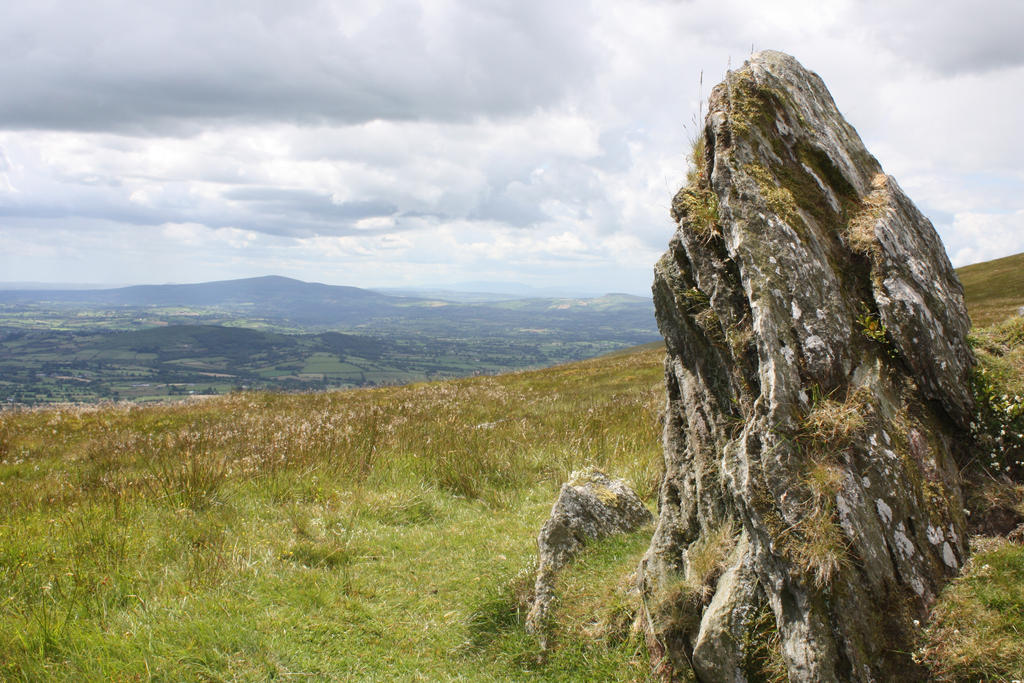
[379, 534]
[388, 534]
[994, 289]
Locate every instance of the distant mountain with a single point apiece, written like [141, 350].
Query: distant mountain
[290, 303]
[267, 288]
[255, 290]
[274, 297]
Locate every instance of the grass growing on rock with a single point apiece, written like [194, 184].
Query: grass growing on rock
[696, 202]
[355, 535]
[817, 543]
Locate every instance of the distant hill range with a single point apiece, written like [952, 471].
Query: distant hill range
[318, 307]
[271, 293]
[993, 289]
[156, 341]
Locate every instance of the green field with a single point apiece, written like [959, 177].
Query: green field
[143, 343]
[994, 289]
[52, 366]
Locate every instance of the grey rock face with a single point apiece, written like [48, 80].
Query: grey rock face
[590, 505]
[817, 380]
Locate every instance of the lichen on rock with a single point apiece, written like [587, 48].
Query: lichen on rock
[817, 381]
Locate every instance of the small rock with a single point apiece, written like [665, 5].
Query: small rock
[590, 505]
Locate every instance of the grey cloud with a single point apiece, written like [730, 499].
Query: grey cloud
[485, 115]
[145, 68]
[278, 213]
[615, 155]
[516, 204]
[950, 36]
[573, 184]
[305, 202]
[116, 212]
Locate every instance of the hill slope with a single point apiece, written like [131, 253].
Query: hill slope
[994, 290]
[373, 534]
[362, 535]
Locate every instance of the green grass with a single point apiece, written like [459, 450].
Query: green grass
[994, 290]
[998, 387]
[362, 535]
[977, 628]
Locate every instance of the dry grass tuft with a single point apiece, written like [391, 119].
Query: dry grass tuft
[831, 425]
[763, 646]
[819, 546]
[708, 556]
[677, 605]
[860, 231]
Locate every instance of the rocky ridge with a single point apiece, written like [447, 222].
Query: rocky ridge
[817, 380]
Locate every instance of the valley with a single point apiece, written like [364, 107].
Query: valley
[159, 342]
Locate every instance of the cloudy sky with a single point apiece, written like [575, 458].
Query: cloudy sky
[435, 142]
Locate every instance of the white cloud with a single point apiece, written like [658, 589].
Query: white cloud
[986, 236]
[425, 142]
[950, 36]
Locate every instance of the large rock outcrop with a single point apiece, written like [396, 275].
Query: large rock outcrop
[817, 378]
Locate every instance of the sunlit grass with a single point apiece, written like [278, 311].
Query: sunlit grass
[348, 535]
[994, 290]
[977, 628]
